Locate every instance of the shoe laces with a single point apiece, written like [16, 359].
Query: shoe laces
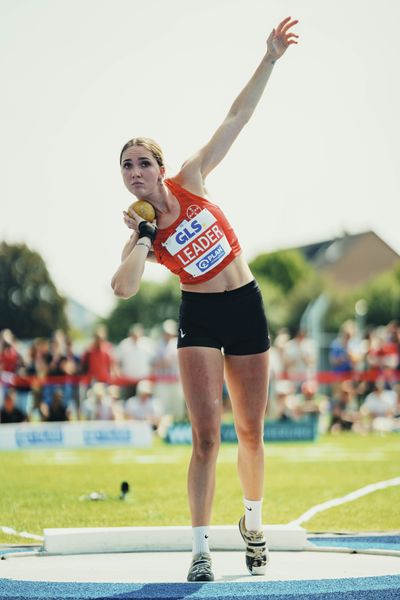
[256, 552]
[258, 555]
[202, 563]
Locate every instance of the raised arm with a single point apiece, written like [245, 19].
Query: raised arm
[204, 161]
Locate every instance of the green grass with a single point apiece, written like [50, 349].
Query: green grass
[41, 488]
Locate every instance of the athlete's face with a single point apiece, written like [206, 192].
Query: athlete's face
[140, 171]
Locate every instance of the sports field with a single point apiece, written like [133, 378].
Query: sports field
[46, 488]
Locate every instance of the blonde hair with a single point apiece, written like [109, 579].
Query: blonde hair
[147, 143]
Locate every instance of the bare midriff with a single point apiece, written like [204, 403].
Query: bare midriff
[235, 275]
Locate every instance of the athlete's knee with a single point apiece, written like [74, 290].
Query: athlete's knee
[206, 443]
[251, 436]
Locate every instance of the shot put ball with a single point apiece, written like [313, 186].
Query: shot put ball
[143, 209]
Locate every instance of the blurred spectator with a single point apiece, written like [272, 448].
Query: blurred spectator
[344, 409]
[396, 389]
[383, 349]
[11, 364]
[69, 365]
[56, 352]
[276, 359]
[300, 358]
[393, 344]
[134, 355]
[36, 413]
[69, 362]
[38, 358]
[281, 404]
[98, 405]
[145, 407]
[165, 365]
[52, 358]
[98, 362]
[56, 410]
[362, 388]
[117, 406]
[9, 413]
[311, 402]
[37, 366]
[381, 403]
[346, 350]
[10, 358]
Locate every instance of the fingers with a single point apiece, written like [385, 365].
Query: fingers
[282, 24]
[291, 41]
[133, 216]
[289, 25]
[285, 25]
[282, 33]
[131, 222]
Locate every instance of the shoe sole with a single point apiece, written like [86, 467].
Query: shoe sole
[199, 580]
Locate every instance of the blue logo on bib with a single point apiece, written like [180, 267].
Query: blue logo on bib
[212, 257]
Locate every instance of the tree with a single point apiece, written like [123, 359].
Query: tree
[285, 268]
[154, 303]
[275, 305]
[29, 302]
[382, 296]
[300, 297]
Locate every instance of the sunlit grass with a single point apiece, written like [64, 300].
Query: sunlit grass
[44, 488]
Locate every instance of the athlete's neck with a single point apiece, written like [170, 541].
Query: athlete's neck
[161, 199]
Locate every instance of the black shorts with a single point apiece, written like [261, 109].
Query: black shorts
[234, 320]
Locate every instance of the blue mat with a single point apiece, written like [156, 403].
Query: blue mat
[365, 588]
[358, 542]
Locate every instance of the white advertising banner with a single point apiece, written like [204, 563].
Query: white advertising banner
[81, 434]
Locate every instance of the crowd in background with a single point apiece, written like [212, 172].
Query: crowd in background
[49, 380]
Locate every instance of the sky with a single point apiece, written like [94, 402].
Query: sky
[319, 157]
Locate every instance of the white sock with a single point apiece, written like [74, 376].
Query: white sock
[253, 514]
[200, 539]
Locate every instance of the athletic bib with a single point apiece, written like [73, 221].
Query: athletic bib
[199, 244]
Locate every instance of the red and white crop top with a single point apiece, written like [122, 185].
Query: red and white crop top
[200, 243]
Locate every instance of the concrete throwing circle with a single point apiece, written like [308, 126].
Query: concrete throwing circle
[160, 575]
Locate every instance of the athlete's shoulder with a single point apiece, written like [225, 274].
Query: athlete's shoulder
[190, 178]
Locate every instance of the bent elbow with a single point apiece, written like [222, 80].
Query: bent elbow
[240, 116]
[124, 292]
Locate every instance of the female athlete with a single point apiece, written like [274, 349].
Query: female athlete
[222, 326]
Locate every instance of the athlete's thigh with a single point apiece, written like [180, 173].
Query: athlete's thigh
[202, 376]
[247, 381]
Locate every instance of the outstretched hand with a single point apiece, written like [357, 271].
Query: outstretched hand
[281, 38]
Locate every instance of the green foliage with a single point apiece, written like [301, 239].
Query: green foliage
[29, 302]
[275, 305]
[382, 296]
[300, 297]
[341, 308]
[153, 304]
[288, 283]
[285, 268]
